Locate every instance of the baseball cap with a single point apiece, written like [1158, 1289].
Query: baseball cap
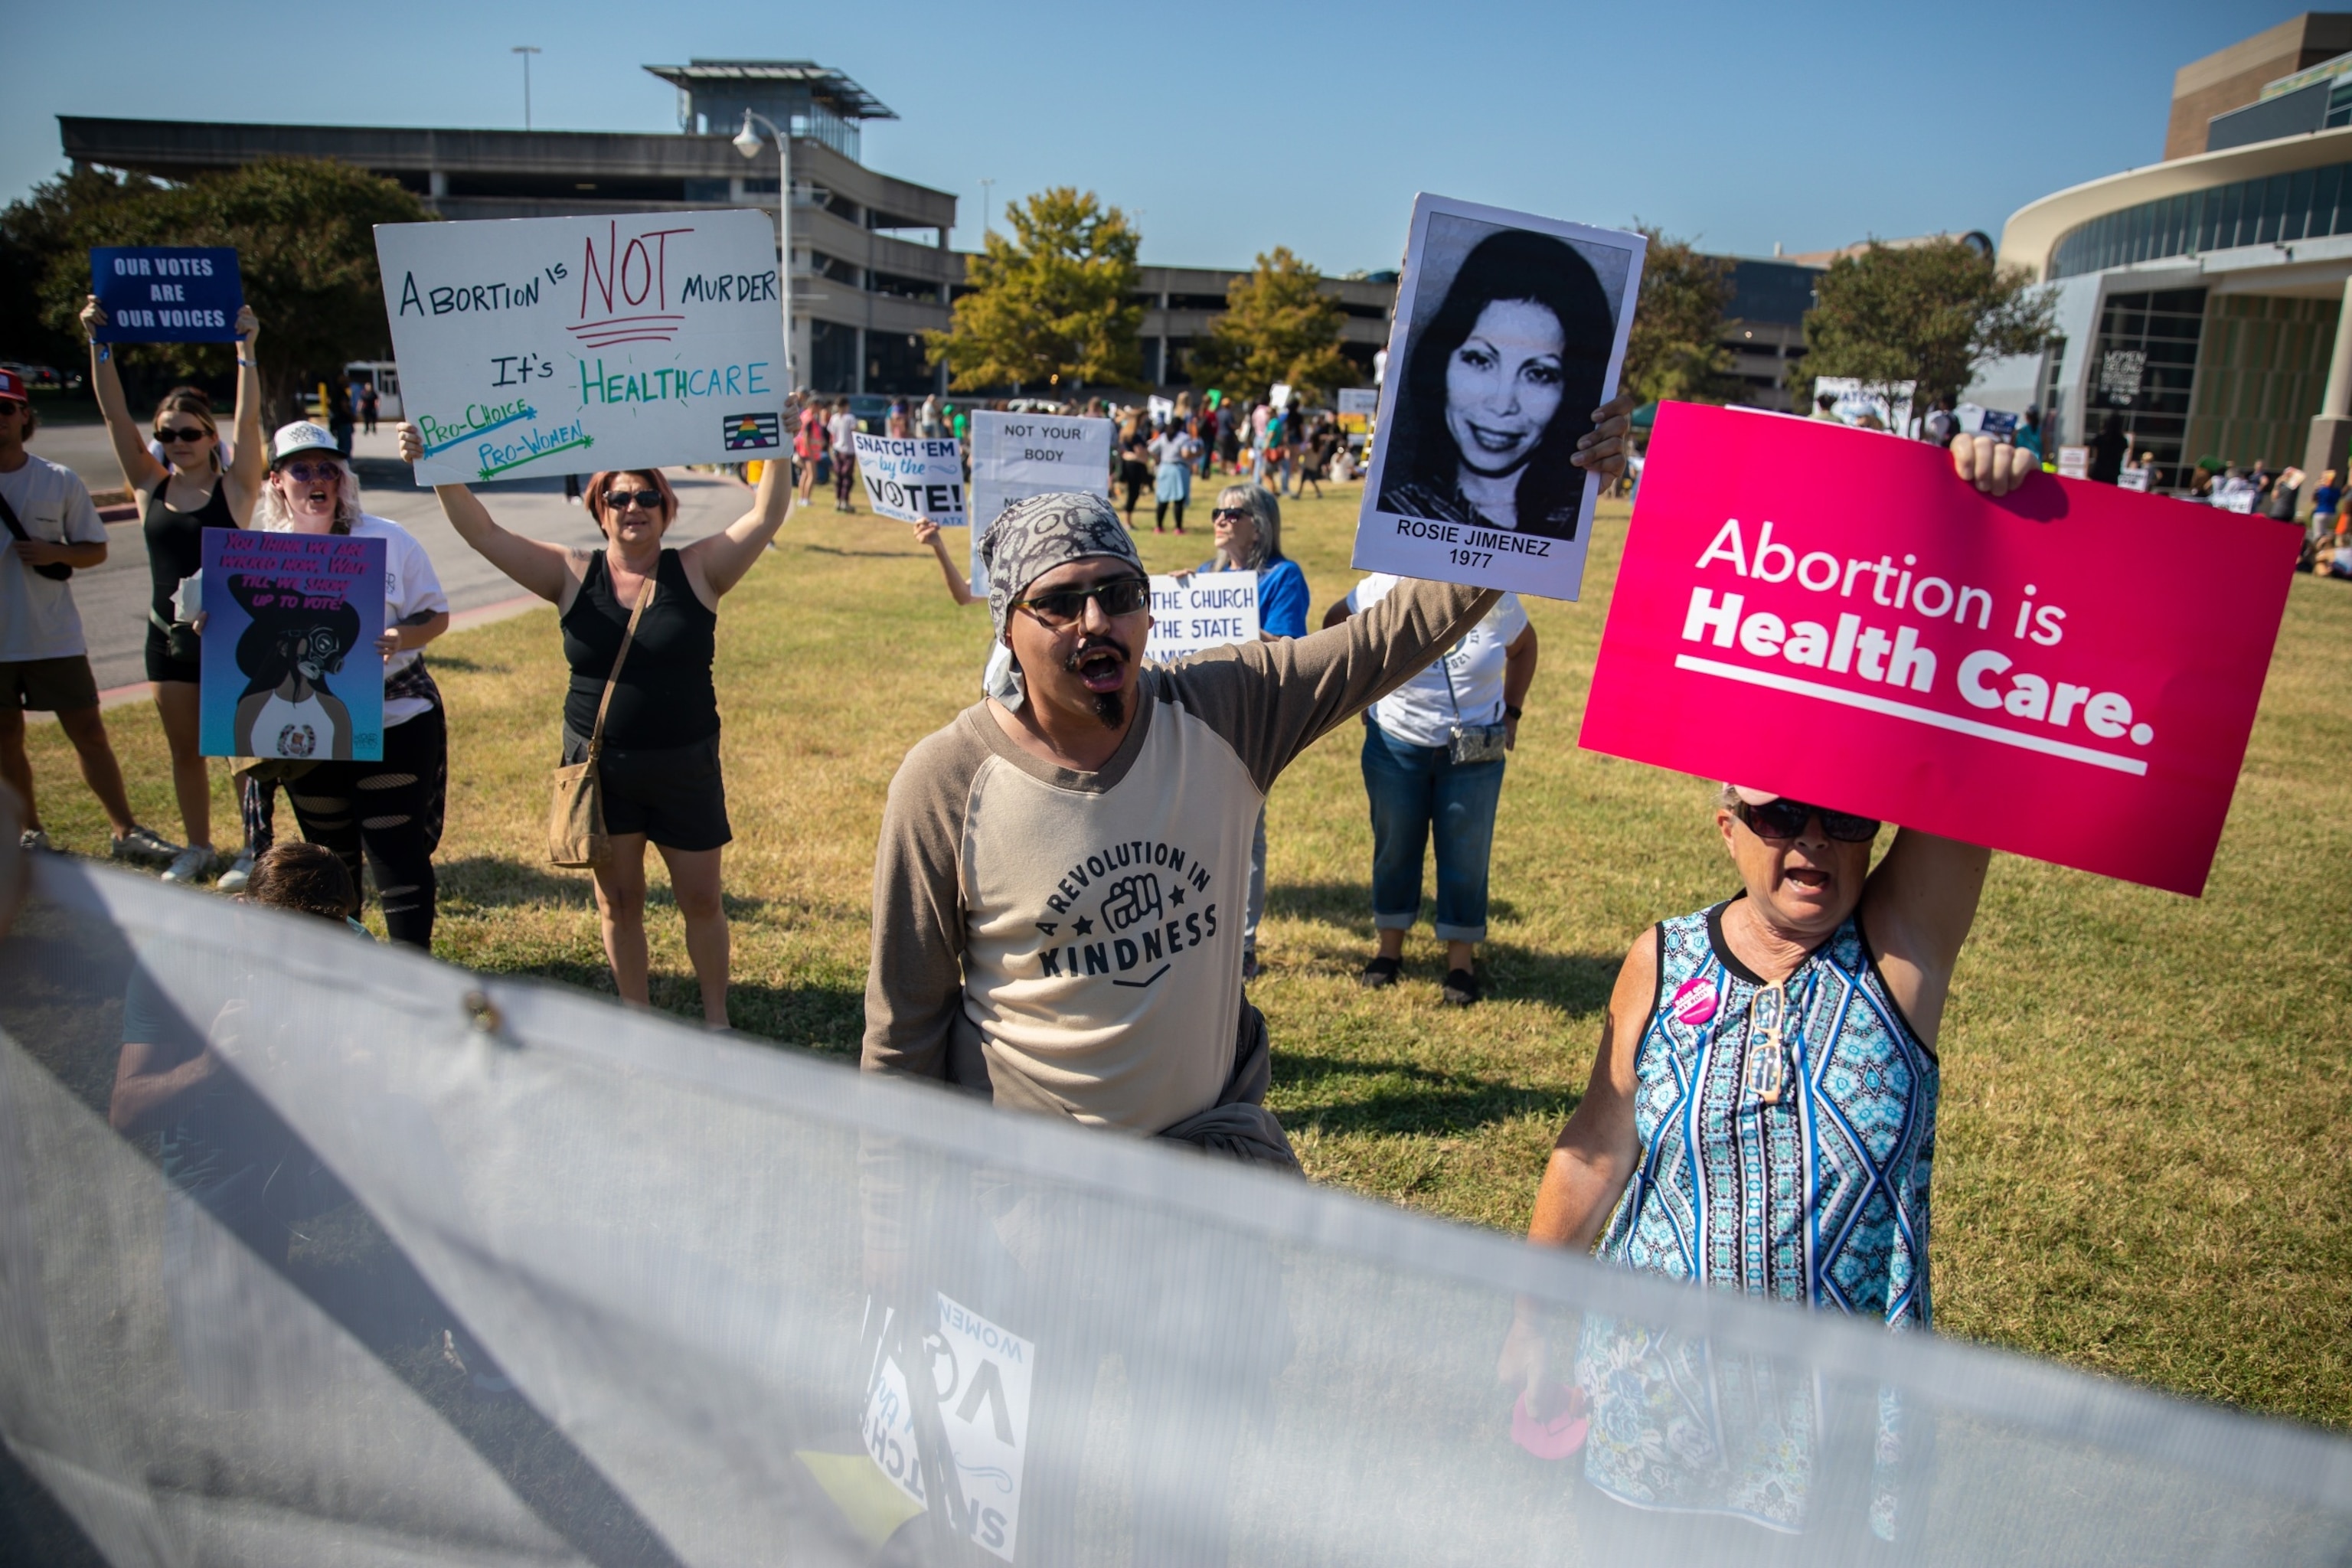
[12, 385]
[301, 436]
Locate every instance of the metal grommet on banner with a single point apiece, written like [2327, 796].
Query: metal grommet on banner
[483, 1014]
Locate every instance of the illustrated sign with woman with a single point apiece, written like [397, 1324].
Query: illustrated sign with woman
[1510, 331]
[288, 612]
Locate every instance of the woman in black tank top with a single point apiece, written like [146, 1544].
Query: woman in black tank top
[190, 489]
[658, 767]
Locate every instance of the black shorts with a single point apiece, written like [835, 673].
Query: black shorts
[672, 794]
[162, 666]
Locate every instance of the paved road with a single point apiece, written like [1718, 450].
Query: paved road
[113, 598]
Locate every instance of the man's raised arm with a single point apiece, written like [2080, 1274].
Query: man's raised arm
[1277, 698]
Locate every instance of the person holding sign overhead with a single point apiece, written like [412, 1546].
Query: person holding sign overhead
[387, 812]
[187, 491]
[659, 765]
[1432, 761]
[1766, 1076]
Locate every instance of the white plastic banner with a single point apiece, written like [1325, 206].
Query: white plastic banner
[555, 346]
[913, 479]
[1016, 455]
[980, 1374]
[1204, 610]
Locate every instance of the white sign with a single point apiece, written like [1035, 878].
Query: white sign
[557, 345]
[983, 1374]
[1364, 400]
[2133, 480]
[1204, 610]
[1280, 397]
[1547, 305]
[1160, 409]
[1868, 404]
[912, 479]
[2073, 462]
[1016, 456]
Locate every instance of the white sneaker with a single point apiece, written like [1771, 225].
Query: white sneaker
[145, 847]
[32, 838]
[190, 864]
[239, 872]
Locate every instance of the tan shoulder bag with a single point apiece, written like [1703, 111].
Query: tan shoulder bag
[575, 821]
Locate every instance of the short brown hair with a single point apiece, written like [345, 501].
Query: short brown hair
[307, 877]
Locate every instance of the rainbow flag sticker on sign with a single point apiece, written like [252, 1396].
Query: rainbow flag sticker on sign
[753, 432]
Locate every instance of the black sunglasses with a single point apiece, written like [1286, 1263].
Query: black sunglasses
[1785, 818]
[1120, 596]
[189, 434]
[1224, 511]
[649, 499]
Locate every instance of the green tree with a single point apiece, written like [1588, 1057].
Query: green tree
[1051, 306]
[1278, 325]
[1930, 314]
[1674, 348]
[35, 231]
[304, 230]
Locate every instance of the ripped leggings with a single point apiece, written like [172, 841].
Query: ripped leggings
[391, 810]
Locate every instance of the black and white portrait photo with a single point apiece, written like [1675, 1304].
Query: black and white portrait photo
[1509, 333]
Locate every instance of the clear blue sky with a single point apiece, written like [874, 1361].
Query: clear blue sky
[1235, 128]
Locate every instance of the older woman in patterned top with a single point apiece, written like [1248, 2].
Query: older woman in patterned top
[1737, 1036]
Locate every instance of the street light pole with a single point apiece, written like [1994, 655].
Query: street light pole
[525, 51]
[748, 144]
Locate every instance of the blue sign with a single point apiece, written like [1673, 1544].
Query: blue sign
[166, 293]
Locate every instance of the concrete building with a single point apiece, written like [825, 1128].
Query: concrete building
[871, 269]
[1764, 327]
[2201, 300]
[2229, 81]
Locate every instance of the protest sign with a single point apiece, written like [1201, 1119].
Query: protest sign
[1510, 330]
[290, 668]
[2069, 672]
[1016, 455]
[554, 346]
[1160, 409]
[983, 1416]
[2133, 478]
[1357, 406]
[1278, 398]
[912, 478]
[2073, 462]
[1866, 404]
[166, 293]
[1204, 610]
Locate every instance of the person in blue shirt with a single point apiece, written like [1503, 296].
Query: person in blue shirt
[1248, 521]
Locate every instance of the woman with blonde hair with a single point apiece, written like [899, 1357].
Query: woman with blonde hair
[188, 490]
[659, 761]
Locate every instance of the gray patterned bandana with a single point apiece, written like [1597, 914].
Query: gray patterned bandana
[1031, 536]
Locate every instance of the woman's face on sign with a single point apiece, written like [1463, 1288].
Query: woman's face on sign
[1503, 384]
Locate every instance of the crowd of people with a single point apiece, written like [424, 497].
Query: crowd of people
[1070, 876]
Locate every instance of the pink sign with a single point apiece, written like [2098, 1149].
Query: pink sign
[2068, 672]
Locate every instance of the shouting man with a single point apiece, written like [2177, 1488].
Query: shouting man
[1058, 891]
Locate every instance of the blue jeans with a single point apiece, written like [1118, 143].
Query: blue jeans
[1414, 789]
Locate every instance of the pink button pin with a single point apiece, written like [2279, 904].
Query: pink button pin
[1694, 1001]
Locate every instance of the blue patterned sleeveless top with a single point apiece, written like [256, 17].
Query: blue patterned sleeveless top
[1788, 1138]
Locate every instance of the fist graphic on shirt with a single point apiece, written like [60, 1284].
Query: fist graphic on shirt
[1131, 901]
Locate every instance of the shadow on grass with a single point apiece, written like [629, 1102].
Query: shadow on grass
[489, 882]
[861, 554]
[465, 665]
[1349, 905]
[1389, 1098]
[827, 1017]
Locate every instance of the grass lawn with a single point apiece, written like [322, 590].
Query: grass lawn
[2147, 1122]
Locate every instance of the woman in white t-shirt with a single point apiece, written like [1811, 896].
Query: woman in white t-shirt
[389, 810]
[1433, 769]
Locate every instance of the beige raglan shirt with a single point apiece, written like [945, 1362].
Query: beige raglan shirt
[1072, 941]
